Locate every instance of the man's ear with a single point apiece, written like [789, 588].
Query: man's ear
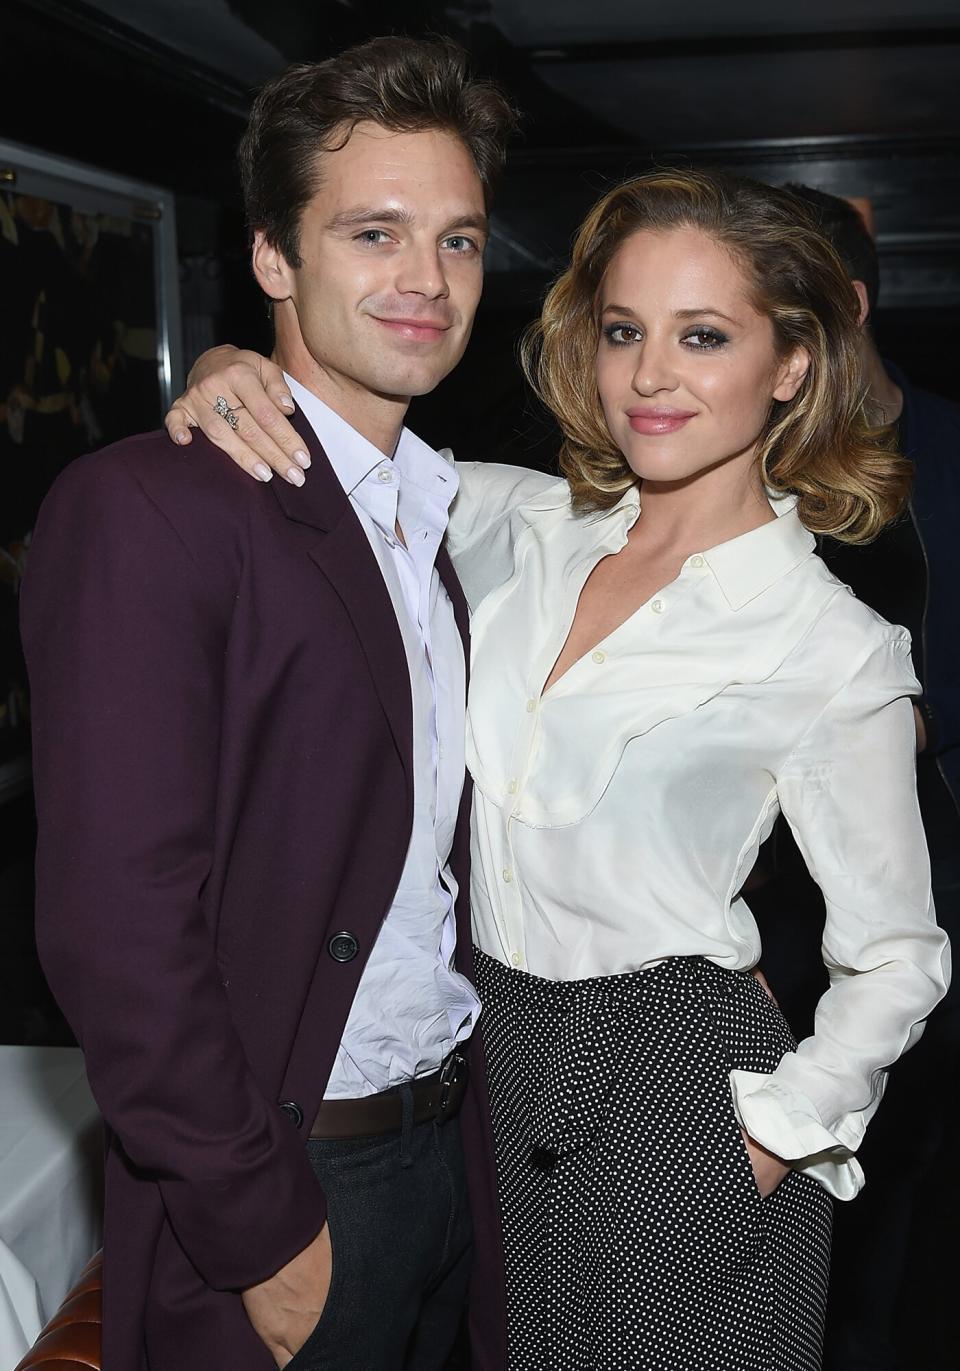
[791, 375]
[864, 299]
[271, 269]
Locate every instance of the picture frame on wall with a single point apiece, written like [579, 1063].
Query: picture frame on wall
[90, 352]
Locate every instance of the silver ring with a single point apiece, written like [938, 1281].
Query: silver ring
[221, 407]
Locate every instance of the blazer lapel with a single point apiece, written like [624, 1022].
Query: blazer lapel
[345, 557]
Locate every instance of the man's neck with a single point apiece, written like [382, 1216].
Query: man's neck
[378, 418]
[885, 395]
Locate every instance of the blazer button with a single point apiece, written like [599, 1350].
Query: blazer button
[293, 1109]
[343, 947]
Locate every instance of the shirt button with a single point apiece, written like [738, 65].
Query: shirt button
[657, 606]
[696, 560]
[599, 657]
[384, 475]
[507, 875]
[512, 788]
[531, 706]
[516, 958]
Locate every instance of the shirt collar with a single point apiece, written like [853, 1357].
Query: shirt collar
[746, 566]
[354, 457]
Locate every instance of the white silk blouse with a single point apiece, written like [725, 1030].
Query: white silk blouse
[617, 814]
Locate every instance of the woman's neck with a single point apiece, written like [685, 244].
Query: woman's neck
[708, 509]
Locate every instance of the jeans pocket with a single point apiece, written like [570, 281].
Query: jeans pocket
[304, 1359]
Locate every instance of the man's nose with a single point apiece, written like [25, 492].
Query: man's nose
[421, 272]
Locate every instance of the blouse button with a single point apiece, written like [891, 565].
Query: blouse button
[599, 657]
[507, 875]
[696, 560]
[515, 958]
[512, 788]
[531, 706]
[657, 606]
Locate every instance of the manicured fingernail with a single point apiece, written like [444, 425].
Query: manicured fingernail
[181, 436]
[303, 458]
[287, 402]
[262, 472]
[295, 476]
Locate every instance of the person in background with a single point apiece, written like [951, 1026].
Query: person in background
[661, 664]
[910, 574]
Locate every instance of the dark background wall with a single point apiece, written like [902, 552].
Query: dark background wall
[852, 96]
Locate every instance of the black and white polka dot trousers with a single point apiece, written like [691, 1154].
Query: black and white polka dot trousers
[634, 1233]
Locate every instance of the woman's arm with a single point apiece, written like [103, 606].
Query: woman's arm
[848, 791]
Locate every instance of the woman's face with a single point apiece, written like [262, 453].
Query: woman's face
[686, 366]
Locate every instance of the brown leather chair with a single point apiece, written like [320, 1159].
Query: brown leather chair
[71, 1340]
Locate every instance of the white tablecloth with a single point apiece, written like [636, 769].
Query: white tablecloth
[50, 1187]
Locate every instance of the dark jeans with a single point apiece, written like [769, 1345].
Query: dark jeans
[401, 1239]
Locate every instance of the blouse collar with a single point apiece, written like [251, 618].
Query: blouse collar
[745, 566]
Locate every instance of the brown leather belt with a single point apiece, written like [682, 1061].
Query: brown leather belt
[434, 1097]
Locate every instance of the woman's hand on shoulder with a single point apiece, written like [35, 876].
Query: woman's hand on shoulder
[251, 388]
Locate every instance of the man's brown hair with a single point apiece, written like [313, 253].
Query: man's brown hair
[402, 84]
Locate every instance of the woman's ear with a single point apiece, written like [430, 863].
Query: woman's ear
[791, 374]
[270, 267]
[864, 299]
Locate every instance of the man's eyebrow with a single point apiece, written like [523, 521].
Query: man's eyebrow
[469, 221]
[365, 214]
[371, 214]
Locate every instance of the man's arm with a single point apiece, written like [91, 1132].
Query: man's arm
[125, 639]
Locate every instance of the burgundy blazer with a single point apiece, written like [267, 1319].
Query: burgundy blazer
[223, 753]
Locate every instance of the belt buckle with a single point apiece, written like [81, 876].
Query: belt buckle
[449, 1075]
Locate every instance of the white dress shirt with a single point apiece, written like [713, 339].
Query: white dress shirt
[411, 1006]
[618, 813]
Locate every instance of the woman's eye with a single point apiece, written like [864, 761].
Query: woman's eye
[705, 339]
[621, 334]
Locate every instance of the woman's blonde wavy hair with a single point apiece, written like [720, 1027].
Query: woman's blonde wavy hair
[821, 445]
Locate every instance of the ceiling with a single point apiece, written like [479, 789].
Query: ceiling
[855, 95]
[623, 70]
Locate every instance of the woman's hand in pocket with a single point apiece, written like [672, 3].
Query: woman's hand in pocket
[768, 1169]
[285, 1309]
[761, 979]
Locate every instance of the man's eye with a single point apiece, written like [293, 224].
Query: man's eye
[459, 243]
[372, 236]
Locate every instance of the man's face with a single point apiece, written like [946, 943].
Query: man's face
[391, 249]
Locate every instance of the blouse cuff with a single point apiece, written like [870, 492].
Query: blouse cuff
[786, 1123]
